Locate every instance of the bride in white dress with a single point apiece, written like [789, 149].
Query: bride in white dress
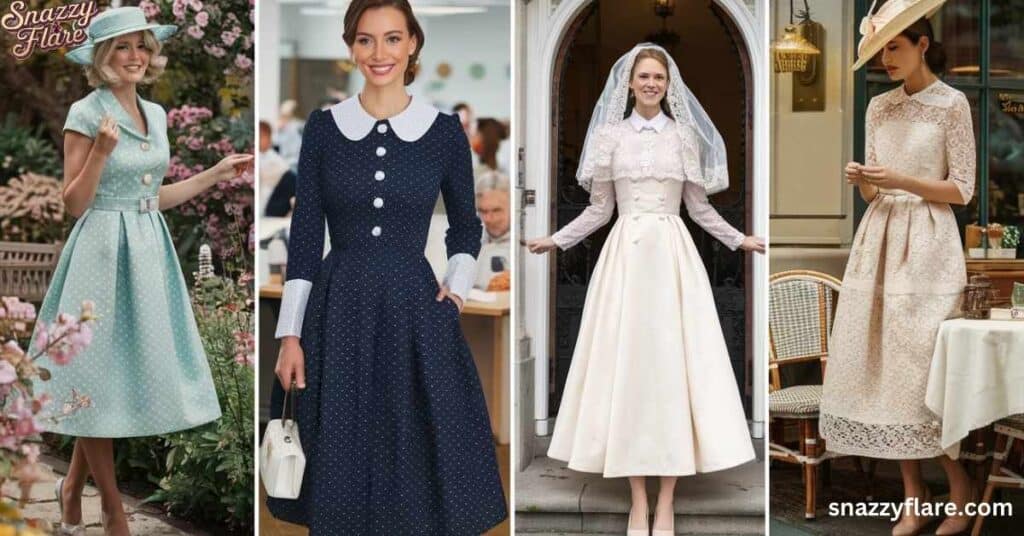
[650, 391]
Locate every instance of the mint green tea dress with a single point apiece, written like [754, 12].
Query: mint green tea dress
[146, 371]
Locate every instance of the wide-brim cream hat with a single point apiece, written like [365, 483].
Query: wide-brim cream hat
[116, 22]
[892, 18]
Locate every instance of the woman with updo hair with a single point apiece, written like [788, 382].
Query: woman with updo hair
[392, 417]
[906, 270]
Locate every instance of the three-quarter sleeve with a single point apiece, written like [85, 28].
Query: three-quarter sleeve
[306, 233]
[961, 157]
[701, 211]
[870, 125]
[595, 216]
[462, 240]
[82, 119]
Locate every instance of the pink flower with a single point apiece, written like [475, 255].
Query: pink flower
[215, 51]
[196, 5]
[243, 62]
[8, 374]
[196, 32]
[202, 19]
[150, 9]
[178, 8]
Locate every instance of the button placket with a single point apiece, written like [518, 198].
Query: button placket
[378, 201]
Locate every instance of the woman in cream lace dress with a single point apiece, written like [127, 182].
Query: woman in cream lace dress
[906, 270]
[650, 391]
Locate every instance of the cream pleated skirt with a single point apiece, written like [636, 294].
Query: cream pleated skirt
[905, 275]
[650, 390]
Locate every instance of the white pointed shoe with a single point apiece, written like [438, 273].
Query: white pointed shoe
[65, 529]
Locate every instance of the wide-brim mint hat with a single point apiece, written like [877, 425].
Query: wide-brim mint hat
[115, 22]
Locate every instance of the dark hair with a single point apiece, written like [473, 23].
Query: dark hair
[935, 56]
[492, 132]
[659, 56]
[460, 106]
[358, 7]
[265, 127]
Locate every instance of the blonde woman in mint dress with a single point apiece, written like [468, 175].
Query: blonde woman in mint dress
[145, 372]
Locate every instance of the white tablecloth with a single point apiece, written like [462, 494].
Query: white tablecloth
[976, 376]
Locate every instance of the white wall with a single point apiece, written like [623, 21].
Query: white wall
[459, 40]
[809, 149]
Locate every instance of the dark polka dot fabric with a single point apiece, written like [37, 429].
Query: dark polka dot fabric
[393, 420]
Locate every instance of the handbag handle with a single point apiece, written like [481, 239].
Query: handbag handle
[284, 407]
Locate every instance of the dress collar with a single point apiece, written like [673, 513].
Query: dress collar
[111, 106]
[657, 122]
[410, 124]
[932, 94]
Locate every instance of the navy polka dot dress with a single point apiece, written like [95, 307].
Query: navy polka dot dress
[393, 420]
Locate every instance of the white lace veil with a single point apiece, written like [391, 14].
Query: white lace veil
[704, 158]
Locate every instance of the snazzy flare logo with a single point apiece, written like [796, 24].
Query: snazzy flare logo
[48, 28]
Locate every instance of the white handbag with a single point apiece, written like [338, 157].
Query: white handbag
[282, 461]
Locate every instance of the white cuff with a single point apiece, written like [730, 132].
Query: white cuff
[460, 275]
[293, 308]
[734, 240]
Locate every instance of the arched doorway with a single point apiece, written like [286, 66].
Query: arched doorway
[714, 61]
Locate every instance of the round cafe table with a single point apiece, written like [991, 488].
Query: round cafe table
[976, 376]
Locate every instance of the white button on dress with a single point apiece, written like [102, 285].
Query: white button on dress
[147, 179]
[382, 128]
[378, 202]
[144, 146]
[375, 231]
[381, 151]
[379, 175]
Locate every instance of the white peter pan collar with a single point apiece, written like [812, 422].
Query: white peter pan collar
[410, 124]
[657, 122]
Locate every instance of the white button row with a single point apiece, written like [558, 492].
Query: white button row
[378, 203]
[381, 151]
[375, 231]
[379, 175]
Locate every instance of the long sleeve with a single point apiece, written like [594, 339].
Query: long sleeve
[599, 213]
[960, 152]
[701, 211]
[306, 234]
[462, 239]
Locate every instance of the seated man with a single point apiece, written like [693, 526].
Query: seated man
[492, 203]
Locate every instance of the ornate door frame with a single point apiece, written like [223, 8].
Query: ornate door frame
[550, 22]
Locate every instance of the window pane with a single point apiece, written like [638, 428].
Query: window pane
[1006, 157]
[956, 27]
[1007, 19]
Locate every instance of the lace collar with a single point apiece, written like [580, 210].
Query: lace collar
[935, 94]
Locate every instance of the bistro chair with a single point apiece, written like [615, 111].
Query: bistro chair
[1002, 475]
[800, 313]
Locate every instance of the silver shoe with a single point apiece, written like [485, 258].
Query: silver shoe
[65, 529]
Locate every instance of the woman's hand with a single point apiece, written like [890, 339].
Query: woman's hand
[231, 166]
[445, 293]
[753, 243]
[853, 173]
[291, 364]
[539, 245]
[882, 177]
[106, 136]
